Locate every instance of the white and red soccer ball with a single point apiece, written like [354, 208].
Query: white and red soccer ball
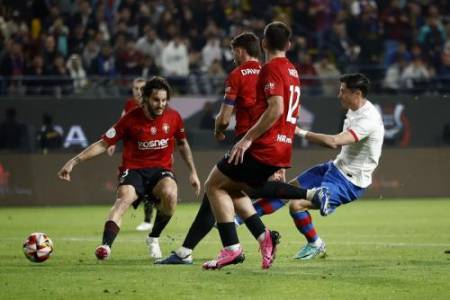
[38, 247]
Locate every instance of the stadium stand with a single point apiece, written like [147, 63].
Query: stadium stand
[403, 46]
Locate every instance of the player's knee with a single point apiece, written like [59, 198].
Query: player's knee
[169, 194]
[126, 194]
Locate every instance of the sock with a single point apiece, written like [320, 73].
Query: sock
[317, 242]
[183, 252]
[310, 193]
[202, 225]
[303, 222]
[228, 234]
[255, 226]
[266, 206]
[109, 233]
[233, 247]
[161, 222]
[148, 211]
[261, 237]
[277, 189]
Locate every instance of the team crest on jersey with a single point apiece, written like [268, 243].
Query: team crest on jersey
[153, 130]
[166, 128]
[111, 133]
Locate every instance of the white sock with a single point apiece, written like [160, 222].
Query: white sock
[310, 193]
[183, 252]
[261, 237]
[317, 242]
[153, 239]
[233, 247]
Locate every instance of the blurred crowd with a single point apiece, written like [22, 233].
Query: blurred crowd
[50, 47]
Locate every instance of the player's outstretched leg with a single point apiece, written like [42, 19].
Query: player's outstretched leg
[110, 232]
[126, 195]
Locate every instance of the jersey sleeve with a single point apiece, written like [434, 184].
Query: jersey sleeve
[116, 132]
[179, 132]
[231, 88]
[273, 83]
[362, 129]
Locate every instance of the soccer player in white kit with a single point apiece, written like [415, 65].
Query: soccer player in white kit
[348, 175]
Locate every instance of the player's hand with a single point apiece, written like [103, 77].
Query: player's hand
[111, 150]
[220, 136]
[238, 151]
[65, 171]
[195, 182]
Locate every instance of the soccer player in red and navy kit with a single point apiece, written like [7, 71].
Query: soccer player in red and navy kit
[263, 150]
[130, 104]
[148, 133]
[240, 96]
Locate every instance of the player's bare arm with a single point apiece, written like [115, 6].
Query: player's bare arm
[186, 154]
[272, 113]
[93, 150]
[327, 140]
[222, 121]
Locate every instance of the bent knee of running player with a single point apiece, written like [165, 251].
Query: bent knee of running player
[166, 190]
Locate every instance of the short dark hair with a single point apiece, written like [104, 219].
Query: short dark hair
[156, 83]
[356, 81]
[277, 35]
[249, 42]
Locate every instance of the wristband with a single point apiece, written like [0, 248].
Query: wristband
[302, 132]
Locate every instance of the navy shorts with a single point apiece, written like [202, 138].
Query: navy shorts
[144, 181]
[250, 171]
[342, 191]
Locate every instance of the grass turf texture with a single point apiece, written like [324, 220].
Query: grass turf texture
[389, 249]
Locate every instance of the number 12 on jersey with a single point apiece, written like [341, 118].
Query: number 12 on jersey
[294, 101]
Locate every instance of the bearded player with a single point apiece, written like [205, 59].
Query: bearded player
[149, 133]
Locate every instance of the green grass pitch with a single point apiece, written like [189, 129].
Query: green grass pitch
[383, 249]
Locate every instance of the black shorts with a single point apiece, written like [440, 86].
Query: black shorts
[250, 171]
[144, 181]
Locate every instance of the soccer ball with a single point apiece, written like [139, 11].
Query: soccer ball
[38, 247]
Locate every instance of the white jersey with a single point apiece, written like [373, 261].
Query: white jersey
[357, 161]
